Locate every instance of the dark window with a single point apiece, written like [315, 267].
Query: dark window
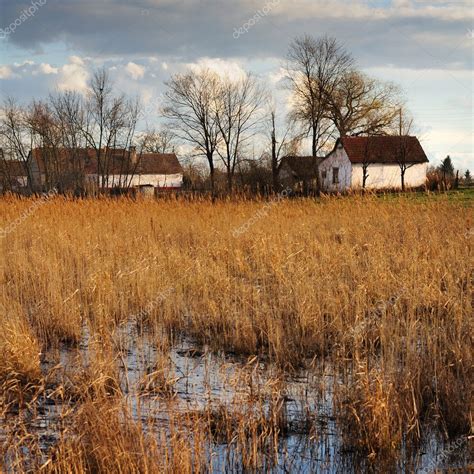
[324, 174]
[335, 175]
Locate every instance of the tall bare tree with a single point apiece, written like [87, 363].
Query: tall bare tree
[110, 123]
[69, 114]
[237, 109]
[15, 133]
[46, 128]
[314, 69]
[190, 110]
[404, 162]
[368, 159]
[360, 105]
[283, 141]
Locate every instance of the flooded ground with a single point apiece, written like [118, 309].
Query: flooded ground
[161, 383]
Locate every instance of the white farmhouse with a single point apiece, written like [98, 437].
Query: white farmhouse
[379, 162]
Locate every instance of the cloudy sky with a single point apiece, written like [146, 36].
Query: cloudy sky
[426, 47]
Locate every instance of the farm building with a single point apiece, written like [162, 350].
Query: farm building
[117, 168]
[299, 172]
[374, 163]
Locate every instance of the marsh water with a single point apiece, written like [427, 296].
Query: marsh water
[200, 379]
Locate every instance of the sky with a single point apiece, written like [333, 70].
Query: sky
[425, 47]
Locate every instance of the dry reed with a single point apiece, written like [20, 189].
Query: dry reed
[381, 290]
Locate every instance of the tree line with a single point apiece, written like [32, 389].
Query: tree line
[218, 117]
[445, 176]
[330, 97]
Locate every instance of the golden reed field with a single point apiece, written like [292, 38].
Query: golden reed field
[330, 335]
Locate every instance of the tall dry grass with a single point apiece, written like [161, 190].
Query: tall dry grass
[380, 290]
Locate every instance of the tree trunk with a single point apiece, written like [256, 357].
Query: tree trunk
[314, 149]
[212, 175]
[402, 175]
[314, 144]
[364, 176]
[276, 182]
[229, 181]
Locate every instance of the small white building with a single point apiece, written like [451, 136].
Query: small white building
[376, 162]
[158, 170]
[64, 169]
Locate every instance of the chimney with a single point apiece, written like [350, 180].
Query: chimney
[133, 155]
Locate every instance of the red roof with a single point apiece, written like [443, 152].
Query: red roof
[118, 161]
[383, 149]
[158, 163]
[13, 168]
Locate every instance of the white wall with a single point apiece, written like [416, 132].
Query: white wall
[160, 180]
[380, 175]
[388, 176]
[337, 159]
[37, 179]
[22, 180]
[157, 180]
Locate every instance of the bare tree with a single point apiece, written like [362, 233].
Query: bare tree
[368, 159]
[126, 141]
[360, 105]
[404, 145]
[237, 114]
[159, 141]
[7, 174]
[46, 130]
[16, 134]
[110, 122]
[283, 141]
[190, 109]
[69, 114]
[314, 69]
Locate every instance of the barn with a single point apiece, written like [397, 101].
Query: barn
[377, 162]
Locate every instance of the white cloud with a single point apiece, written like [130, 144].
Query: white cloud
[277, 76]
[24, 63]
[220, 66]
[76, 60]
[6, 72]
[135, 71]
[73, 76]
[46, 68]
